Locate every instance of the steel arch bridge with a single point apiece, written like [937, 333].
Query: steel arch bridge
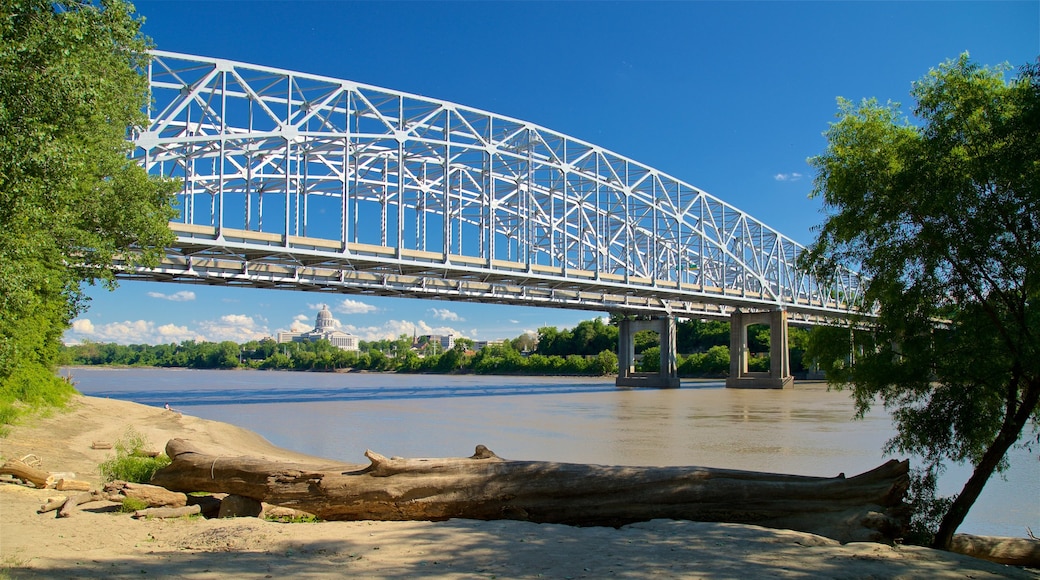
[297, 181]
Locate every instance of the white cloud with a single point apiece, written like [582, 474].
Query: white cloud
[348, 306]
[392, 329]
[511, 321]
[174, 333]
[787, 176]
[129, 332]
[445, 314]
[233, 327]
[301, 323]
[182, 296]
[83, 325]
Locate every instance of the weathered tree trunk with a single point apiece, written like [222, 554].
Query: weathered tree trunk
[168, 512]
[25, 472]
[152, 495]
[1009, 434]
[1010, 551]
[72, 485]
[60, 501]
[487, 487]
[71, 505]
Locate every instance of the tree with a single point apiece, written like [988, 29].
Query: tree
[549, 340]
[941, 219]
[70, 199]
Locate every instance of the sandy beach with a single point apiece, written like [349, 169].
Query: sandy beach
[99, 542]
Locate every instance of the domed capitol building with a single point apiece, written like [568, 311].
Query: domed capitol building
[324, 328]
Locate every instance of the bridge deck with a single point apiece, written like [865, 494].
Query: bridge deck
[236, 257]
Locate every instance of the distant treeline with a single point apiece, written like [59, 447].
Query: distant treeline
[588, 349]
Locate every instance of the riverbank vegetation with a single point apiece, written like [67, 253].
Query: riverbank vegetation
[70, 87]
[941, 216]
[587, 349]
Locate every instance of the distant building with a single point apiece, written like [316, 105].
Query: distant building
[447, 342]
[482, 344]
[323, 329]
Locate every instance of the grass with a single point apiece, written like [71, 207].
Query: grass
[31, 390]
[11, 562]
[132, 504]
[307, 519]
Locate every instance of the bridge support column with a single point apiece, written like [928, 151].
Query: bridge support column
[779, 375]
[668, 376]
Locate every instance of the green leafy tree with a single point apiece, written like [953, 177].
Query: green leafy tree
[651, 361]
[526, 342]
[70, 199]
[605, 363]
[549, 340]
[644, 340]
[942, 218]
[700, 335]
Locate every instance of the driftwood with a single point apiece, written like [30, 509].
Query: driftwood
[52, 504]
[1010, 551]
[25, 472]
[152, 495]
[487, 487]
[168, 512]
[72, 485]
[71, 505]
[71, 501]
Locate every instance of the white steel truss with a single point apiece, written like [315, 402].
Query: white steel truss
[292, 180]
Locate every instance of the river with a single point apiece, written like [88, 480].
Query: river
[804, 430]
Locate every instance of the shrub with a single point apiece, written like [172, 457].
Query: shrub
[130, 463]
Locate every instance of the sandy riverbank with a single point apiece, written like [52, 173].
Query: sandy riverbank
[98, 543]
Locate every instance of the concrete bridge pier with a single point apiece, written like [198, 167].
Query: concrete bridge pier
[668, 376]
[779, 375]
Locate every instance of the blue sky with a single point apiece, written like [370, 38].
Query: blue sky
[731, 97]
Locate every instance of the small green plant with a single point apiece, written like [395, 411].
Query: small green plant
[132, 504]
[298, 519]
[131, 463]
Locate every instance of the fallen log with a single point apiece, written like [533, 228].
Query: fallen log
[72, 503]
[25, 472]
[1010, 551]
[152, 495]
[867, 507]
[52, 504]
[72, 485]
[167, 512]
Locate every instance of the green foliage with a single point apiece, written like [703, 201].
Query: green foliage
[70, 199]
[943, 221]
[927, 510]
[700, 335]
[651, 361]
[132, 504]
[588, 338]
[298, 519]
[129, 463]
[713, 363]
